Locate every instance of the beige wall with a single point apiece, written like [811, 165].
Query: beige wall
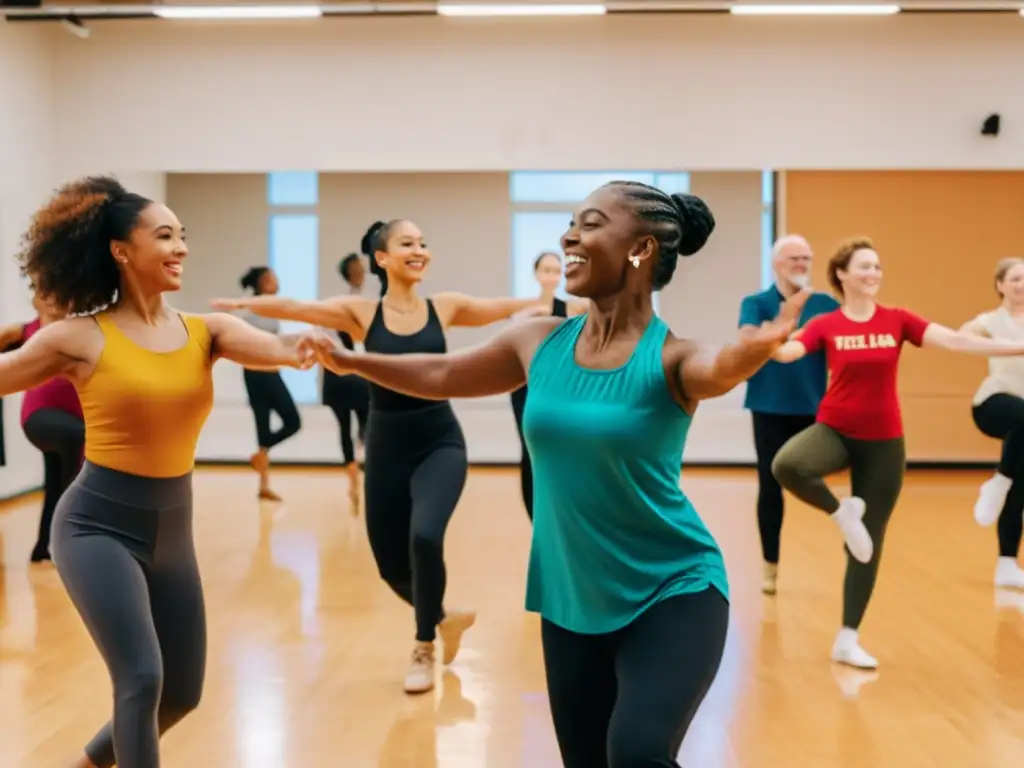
[466, 218]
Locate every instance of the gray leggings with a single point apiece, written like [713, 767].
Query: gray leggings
[123, 547]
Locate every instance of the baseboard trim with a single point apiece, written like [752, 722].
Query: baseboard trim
[913, 464]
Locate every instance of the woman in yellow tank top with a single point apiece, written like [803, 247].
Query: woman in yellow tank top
[122, 533]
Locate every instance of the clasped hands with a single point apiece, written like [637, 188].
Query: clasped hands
[315, 347]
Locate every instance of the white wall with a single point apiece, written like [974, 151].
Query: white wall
[26, 162]
[666, 91]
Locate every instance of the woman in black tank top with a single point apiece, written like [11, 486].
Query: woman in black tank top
[347, 395]
[548, 270]
[416, 461]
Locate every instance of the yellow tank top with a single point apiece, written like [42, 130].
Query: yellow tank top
[144, 410]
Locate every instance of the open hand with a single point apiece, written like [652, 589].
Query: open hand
[775, 333]
[328, 352]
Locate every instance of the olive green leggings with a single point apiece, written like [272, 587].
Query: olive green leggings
[876, 476]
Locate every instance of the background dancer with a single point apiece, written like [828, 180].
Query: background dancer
[51, 417]
[859, 425]
[349, 396]
[548, 270]
[415, 451]
[998, 411]
[266, 389]
[782, 399]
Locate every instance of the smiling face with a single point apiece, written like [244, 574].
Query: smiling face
[601, 241]
[548, 271]
[1010, 284]
[404, 254]
[863, 275]
[268, 283]
[792, 260]
[154, 254]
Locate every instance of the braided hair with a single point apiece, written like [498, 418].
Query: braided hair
[681, 224]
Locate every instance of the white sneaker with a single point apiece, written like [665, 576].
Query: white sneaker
[420, 677]
[846, 650]
[1009, 574]
[850, 519]
[991, 497]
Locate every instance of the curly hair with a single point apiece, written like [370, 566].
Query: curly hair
[681, 224]
[66, 250]
[843, 256]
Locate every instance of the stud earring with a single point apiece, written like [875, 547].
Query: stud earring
[635, 260]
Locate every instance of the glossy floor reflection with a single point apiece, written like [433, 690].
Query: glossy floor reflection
[308, 648]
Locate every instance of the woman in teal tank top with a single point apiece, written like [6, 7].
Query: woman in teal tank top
[629, 582]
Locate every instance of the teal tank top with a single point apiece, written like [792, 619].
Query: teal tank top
[613, 533]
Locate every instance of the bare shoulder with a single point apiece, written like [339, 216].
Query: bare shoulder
[677, 350]
[526, 336]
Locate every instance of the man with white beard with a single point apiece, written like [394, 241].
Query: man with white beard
[782, 398]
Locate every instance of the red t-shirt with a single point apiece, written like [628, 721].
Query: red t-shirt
[863, 357]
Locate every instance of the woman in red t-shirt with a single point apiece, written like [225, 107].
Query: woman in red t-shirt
[858, 423]
[51, 418]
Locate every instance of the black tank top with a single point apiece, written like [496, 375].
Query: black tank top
[429, 339]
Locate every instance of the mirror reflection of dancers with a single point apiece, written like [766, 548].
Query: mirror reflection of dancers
[630, 584]
[859, 425]
[998, 411]
[548, 270]
[415, 451]
[349, 395]
[782, 399]
[122, 532]
[51, 418]
[266, 389]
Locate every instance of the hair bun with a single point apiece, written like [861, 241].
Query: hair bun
[368, 244]
[697, 223]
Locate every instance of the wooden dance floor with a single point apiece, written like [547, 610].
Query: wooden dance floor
[308, 648]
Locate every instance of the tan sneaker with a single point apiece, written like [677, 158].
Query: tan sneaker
[451, 629]
[420, 677]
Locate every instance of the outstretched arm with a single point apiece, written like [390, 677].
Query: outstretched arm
[470, 311]
[11, 334]
[336, 313]
[238, 341]
[492, 368]
[43, 357]
[941, 337]
[706, 371]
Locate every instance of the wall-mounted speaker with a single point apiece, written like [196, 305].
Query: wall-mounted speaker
[991, 125]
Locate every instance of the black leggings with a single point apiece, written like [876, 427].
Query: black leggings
[626, 699]
[346, 395]
[268, 392]
[60, 436]
[415, 471]
[123, 547]
[1002, 417]
[525, 465]
[771, 432]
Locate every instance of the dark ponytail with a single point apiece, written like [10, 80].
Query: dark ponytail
[376, 239]
[251, 280]
[66, 249]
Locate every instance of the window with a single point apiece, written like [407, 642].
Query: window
[574, 186]
[293, 188]
[295, 256]
[767, 227]
[542, 207]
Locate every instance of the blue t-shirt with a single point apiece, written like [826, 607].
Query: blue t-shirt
[792, 389]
